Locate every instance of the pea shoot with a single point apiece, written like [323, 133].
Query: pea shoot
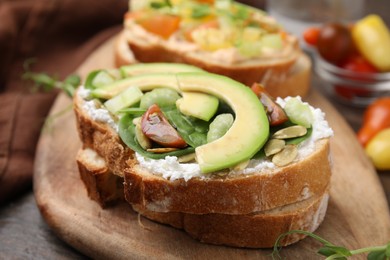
[332, 251]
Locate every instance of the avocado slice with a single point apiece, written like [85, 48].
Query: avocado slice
[99, 78]
[145, 82]
[250, 128]
[198, 105]
[114, 88]
[157, 67]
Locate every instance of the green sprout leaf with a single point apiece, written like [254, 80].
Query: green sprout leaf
[377, 255]
[48, 83]
[200, 11]
[158, 5]
[331, 251]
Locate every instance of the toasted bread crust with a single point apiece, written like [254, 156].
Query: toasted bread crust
[256, 230]
[241, 194]
[102, 186]
[247, 74]
[101, 138]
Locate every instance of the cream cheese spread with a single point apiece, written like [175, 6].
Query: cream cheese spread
[98, 114]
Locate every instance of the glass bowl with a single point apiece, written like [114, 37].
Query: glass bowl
[352, 88]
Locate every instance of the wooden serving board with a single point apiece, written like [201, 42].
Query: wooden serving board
[358, 214]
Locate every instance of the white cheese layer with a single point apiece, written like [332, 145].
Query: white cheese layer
[98, 114]
[169, 168]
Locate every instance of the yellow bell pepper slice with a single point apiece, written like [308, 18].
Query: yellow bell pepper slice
[372, 39]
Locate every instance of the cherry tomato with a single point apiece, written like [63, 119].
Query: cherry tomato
[335, 42]
[157, 128]
[206, 1]
[163, 25]
[276, 114]
[356, 63]
[310, 35]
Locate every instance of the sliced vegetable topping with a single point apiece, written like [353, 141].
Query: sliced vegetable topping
[156, 127]
[299, 112]
[165, 114]
[220, 125]
[276, 114]
[128, 136]
[163, 97]
[211, 25]
[98, 78]
[127, 98]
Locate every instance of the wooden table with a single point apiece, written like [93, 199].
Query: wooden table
[25, 235]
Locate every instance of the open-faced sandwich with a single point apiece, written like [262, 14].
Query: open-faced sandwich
[220, 36]
[204, 153]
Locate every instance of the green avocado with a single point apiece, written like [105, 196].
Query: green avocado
[198, 105]
[157, 67]
[136, 71]
[145, 82]
[250, 128]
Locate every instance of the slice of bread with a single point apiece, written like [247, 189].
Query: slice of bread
[257, 229]
[273, 74]
[254, 230]
[227, 207]
[230, 194]
[235, 48]
[102, 186]
[267, 71]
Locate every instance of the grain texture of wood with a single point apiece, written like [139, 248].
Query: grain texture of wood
[358, 214]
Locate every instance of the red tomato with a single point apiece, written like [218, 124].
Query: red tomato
[358, 63]
[335, 42]
[163, 25]
[310, 35]
[275, 113]
[207, 1]
[157, 128]
[355, 63]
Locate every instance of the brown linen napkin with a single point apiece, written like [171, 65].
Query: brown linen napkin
[60, 35]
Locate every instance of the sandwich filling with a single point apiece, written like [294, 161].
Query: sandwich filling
[193, 121]
[223, 30]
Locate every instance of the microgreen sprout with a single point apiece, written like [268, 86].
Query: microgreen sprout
[47, 82]
[332, 251]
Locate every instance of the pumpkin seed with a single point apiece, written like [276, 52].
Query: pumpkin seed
[274, 146]
[222, 173]
[97, 103]
[286, 156]
[240, 166]
[290, 132]
[142, 139]
[162, 150]
[186, 158]
[137, 120]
